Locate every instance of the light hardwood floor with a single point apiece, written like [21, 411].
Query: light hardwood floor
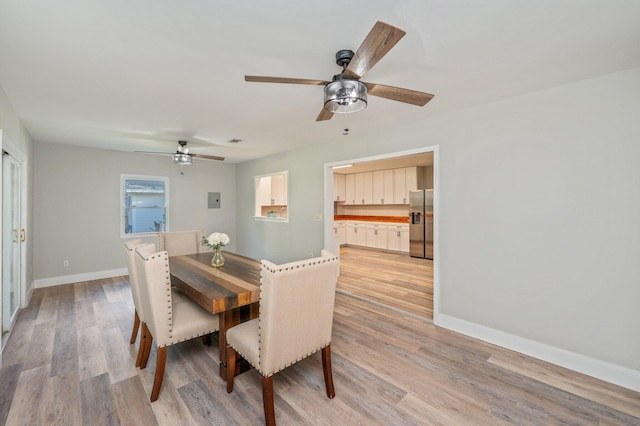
[388, 278]
[69, 362]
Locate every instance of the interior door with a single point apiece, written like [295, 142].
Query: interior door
[12, 236]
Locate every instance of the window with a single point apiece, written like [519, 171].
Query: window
[144, 204]
[271, 196]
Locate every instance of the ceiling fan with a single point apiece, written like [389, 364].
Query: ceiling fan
[346, 93]
[182, 155]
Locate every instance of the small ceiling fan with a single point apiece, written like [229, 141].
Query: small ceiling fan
[346, 93]
[182, 155]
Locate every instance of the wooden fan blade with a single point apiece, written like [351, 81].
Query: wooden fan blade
[207, 157]
[324, 115]
[378, 42]
[155, 152]
[398, 94]
[264, 79]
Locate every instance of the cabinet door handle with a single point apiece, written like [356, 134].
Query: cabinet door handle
[381, 200]
[398, 234]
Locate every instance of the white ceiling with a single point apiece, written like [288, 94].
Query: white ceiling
[139, 75]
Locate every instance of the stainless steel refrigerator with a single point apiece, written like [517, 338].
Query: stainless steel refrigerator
[421, 223]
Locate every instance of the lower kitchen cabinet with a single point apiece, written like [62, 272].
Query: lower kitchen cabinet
[340, 230]
[383, 236]
[376, 236]
[398, 238]
[356, 234]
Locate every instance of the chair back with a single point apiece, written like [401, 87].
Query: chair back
[155, 291]
[180, 242]
[296, 310]
[134, 282]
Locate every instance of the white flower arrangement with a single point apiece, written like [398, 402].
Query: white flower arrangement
[216, 240]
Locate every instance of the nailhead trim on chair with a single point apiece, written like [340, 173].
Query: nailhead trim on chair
[169, 301]
[302, 265]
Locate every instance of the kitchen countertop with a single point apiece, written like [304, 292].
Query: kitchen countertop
[389, 219]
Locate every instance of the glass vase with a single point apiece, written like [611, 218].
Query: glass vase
[217, 260]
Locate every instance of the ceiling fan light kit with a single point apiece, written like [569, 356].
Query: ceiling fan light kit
[182, 159]
[345, 96]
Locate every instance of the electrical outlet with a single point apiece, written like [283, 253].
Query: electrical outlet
[65, 263]
[318, 218]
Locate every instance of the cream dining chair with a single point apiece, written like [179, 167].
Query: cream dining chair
[295, 320]
[179, 243]
[134, 283]
[166, 321]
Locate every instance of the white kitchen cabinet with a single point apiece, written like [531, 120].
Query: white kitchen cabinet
[404, 180]
[339, 187]
[350, 189]
[279, 190]
[356, 234]
[383, 187]
[263, 193]
[376, 235]
[358, 188]
[398, 237]
[367, 191]
[340, 230]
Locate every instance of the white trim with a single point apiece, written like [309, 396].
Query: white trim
[328, 208]
[602, 370]
[77, 278]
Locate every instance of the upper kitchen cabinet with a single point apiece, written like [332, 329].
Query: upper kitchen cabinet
[339, 187]
[404, 180]
[383, 187]
[390, 186]
[279, 189]
[271, 195]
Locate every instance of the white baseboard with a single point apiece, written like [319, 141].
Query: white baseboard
[69, 279]
[611, 373]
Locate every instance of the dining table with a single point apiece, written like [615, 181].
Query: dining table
[231, 291]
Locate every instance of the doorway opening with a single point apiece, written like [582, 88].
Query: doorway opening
[391, 278]
[13, 241]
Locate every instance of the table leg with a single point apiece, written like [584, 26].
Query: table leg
[227, 320]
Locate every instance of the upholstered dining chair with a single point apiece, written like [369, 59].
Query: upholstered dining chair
[134, 283]
[166, 321]
[179, 243]
[295, 320]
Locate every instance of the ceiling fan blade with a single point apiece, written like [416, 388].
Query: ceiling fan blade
[207, 157]
[398, 94]
[378, 42]
[155, 152]
[324, 115]
[264, 79]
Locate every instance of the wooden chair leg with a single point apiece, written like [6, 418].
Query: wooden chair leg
[161, 361]
[206, 339]
[141, 345]
[136, 324]
[326, 369]
[147, 346]
[267, 401]
[231, 368]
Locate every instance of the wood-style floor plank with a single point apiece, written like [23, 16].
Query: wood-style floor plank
[388, 368]
[388, 278]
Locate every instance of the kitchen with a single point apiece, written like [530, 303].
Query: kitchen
[373, 221]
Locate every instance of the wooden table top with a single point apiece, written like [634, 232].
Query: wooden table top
[217, 290]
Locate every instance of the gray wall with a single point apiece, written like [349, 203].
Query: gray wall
[539, 230]
[77, 205]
